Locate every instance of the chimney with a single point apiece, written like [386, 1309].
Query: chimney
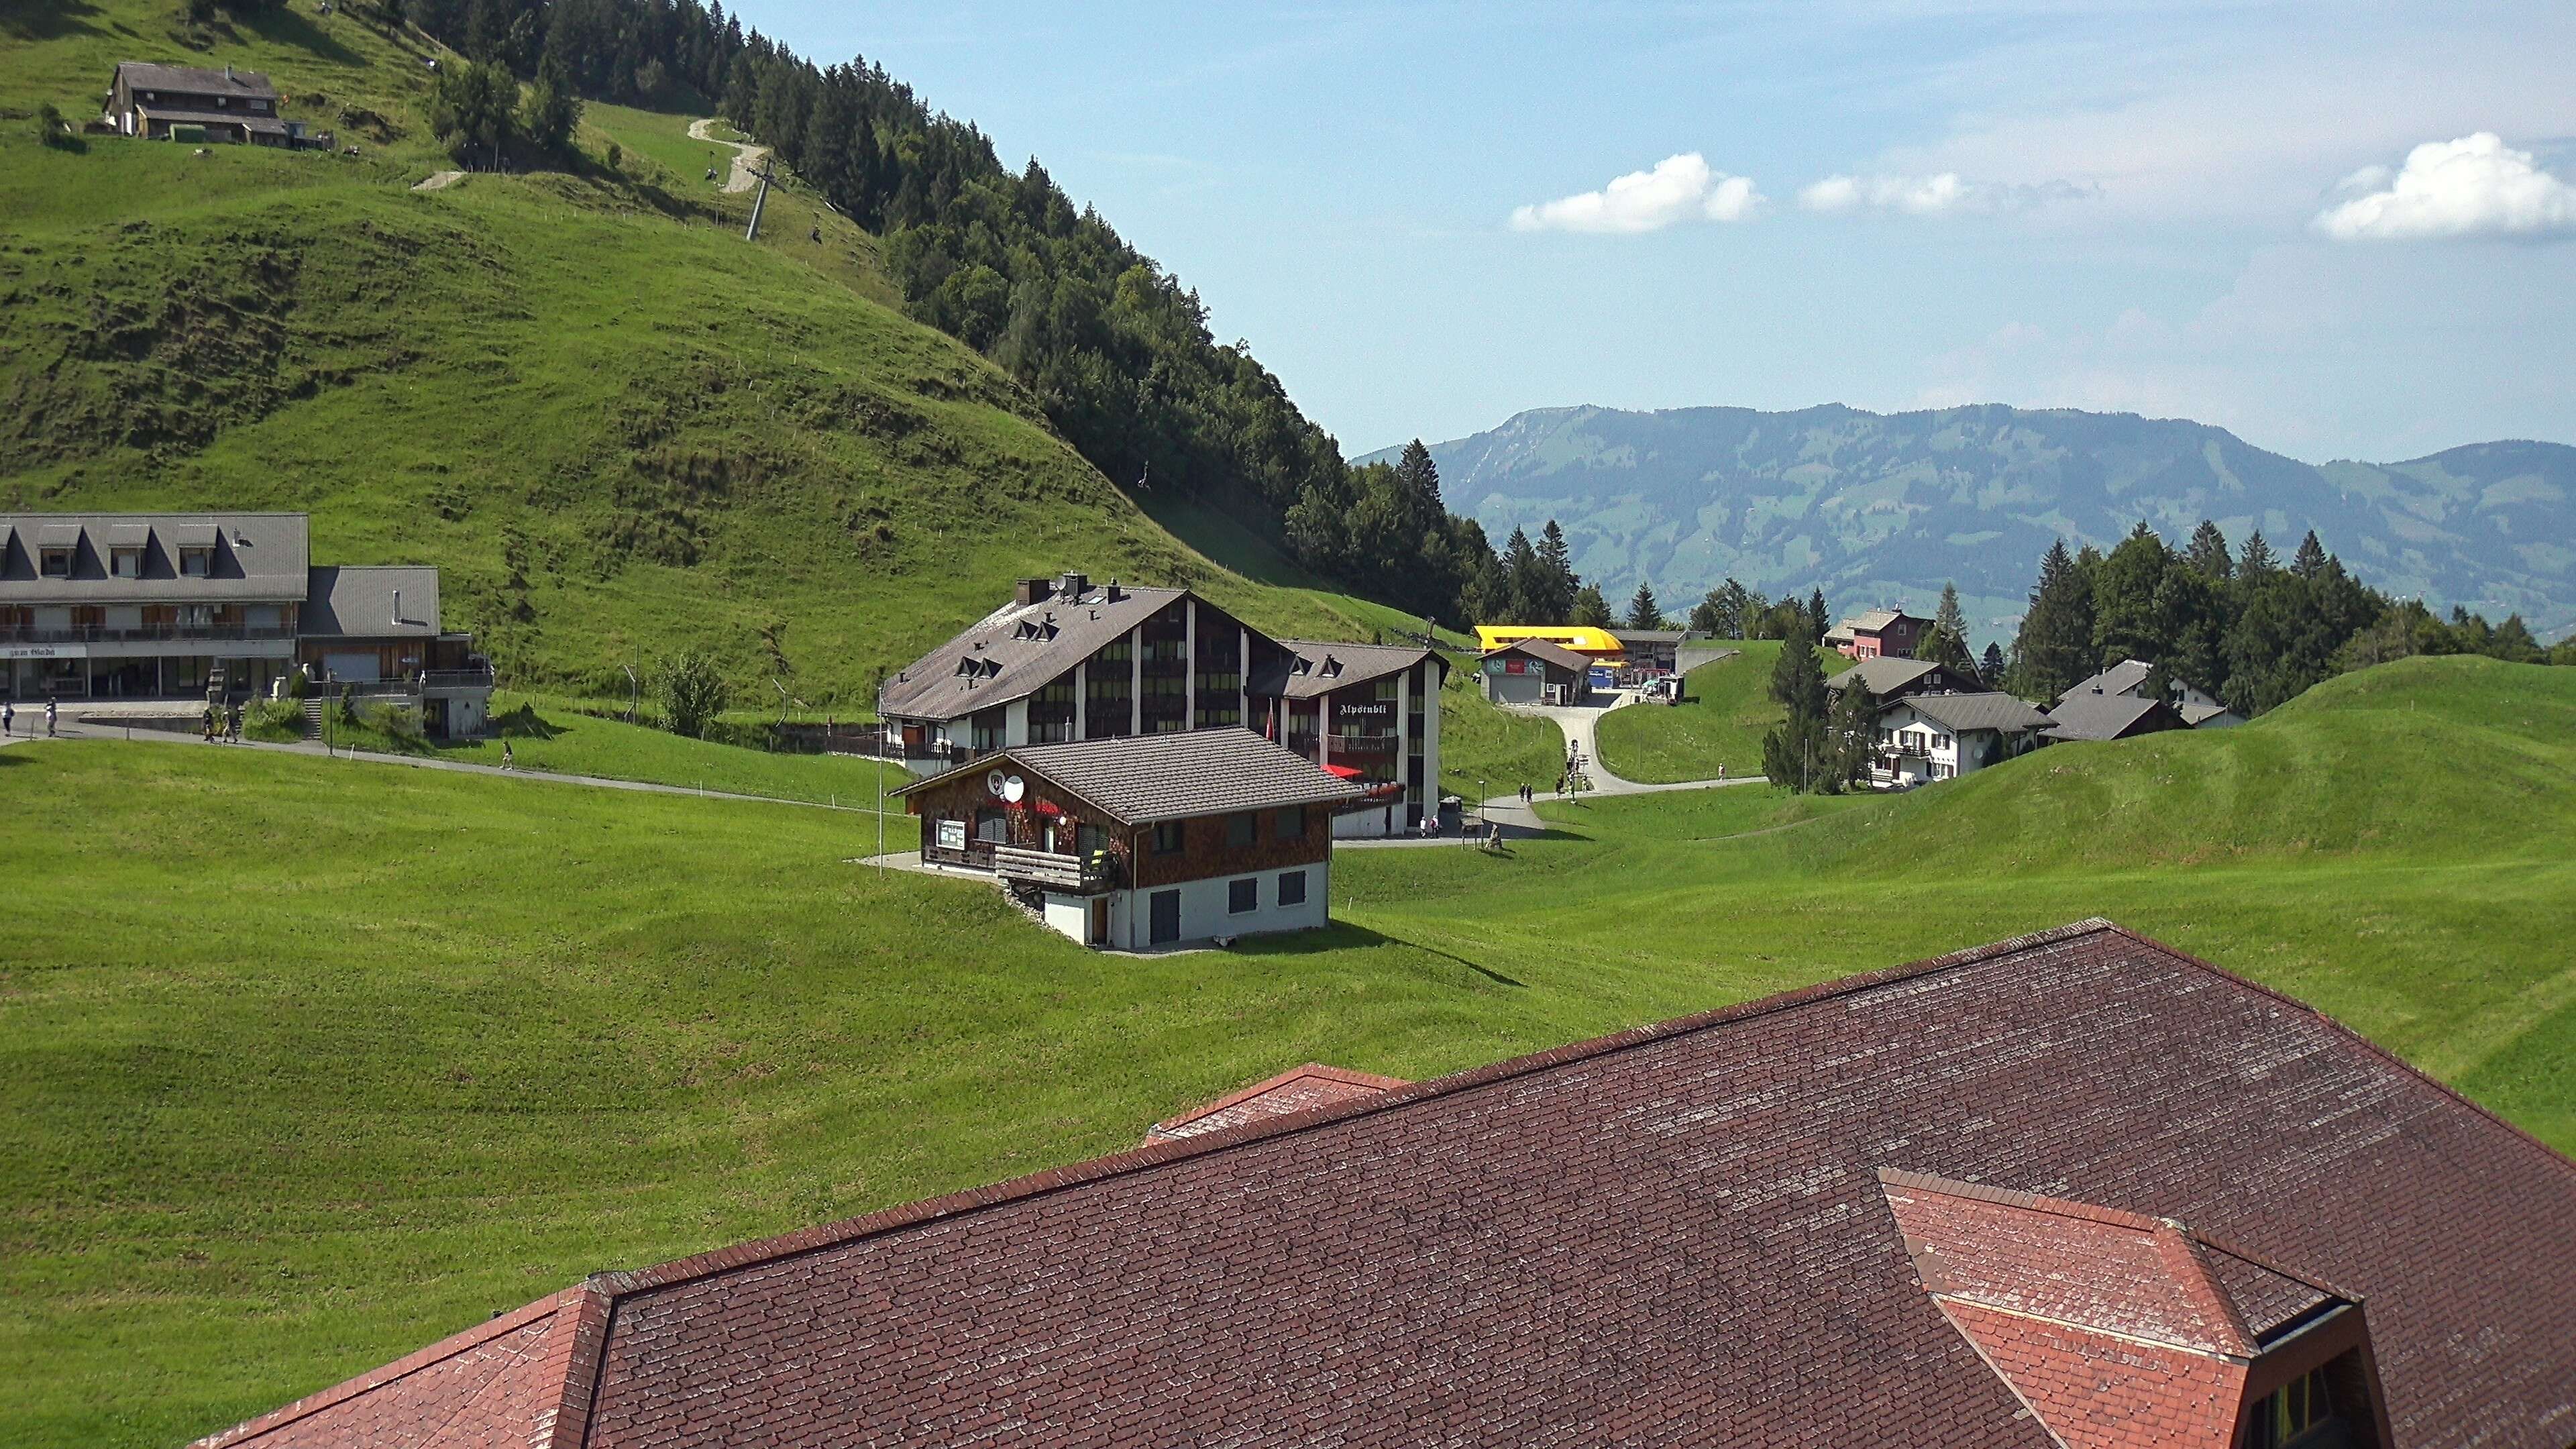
[1032, 591]
[1073, 586]
[228, 71]
[1113, 596]
[397, 606]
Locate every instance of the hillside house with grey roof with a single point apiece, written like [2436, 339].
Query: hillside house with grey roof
[1070, 659]
[1933, 736]
[2194, 706]
[147, 100]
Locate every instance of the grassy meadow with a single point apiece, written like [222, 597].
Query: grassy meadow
[1725, 711]
[304, 1065]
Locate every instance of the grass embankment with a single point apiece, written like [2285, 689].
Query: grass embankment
[1725, 712]
[434, 1044]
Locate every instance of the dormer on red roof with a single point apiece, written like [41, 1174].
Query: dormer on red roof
[2121, 1331]
[1298, 1089]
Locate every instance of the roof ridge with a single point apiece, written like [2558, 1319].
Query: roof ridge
[623, 1283]
[496, 1326]
[1344, 1075]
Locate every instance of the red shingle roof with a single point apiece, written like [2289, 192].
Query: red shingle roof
[1675, 1235]
[1298, 1089]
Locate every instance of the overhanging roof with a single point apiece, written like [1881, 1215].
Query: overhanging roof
[1975, 711]
[1142, 779]
[1677, 1235]
[259, 557]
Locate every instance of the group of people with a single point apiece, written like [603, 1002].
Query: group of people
[9, 718]
[223, 723]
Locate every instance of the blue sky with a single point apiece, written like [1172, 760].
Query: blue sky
[2341, 231]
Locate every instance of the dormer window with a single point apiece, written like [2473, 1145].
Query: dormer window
[2289, 1412]
[125, 563]
[196, 563]
[55, 563]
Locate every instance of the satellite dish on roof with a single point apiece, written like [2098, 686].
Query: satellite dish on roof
[1013, 788]
[994, 783]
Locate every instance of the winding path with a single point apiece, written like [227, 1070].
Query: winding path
[746, 157]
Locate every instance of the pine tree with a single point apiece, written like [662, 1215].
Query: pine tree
[1947, 645]
[2126, 624]
[1792, 751]
[1993, 669]
[2055, 647]
[2310, 561]
[1524, 582]
[1590, 609]
[1556, 563]
[1850, 739]
[2206, 554]
[1643, 613]
[2256, 561]
[1816, 613]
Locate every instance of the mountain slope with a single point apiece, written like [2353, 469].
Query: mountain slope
[620, 429]
[1886, 508]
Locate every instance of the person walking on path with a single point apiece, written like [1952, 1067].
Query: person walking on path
[505, 754]
[8, 719]
[50, 707]
[232, 724]
[206, 724]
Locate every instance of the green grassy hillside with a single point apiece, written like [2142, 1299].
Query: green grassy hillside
[619, 429]
[436, 1044]
[1725, 711]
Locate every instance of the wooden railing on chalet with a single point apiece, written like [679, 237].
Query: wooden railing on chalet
[1047, 868]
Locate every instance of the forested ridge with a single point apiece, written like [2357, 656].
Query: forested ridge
[1116, 350]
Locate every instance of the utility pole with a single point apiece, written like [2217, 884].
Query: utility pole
[752, 233]
[881, 749]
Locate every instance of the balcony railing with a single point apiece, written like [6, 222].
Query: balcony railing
[1048, 868]
[144, 634]
[456, 678]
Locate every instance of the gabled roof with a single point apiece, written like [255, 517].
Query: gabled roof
[2121, 678]
[1545, 653]
[2110, 717]
[358, 603]
[1141, 779]
[1019, 649]
[1320, 666]
[1973, 711]
[144, 75]
[2197, 715]
[1885, 674]
[1676, 1235]
[1298, 1089]
[258, 558]
[1875, 621]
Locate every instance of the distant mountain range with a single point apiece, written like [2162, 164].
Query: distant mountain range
[1883, 509]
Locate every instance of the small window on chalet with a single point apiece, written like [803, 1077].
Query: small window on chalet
[992, 825]
[56, 563]
[1243, 896]
[1242, 830]
[125, 563]
[1387, 687]
[2287, 1414]
[196, 563]
[1292, 888]
[1089, 840]
[1289, 823]
[1167, 838]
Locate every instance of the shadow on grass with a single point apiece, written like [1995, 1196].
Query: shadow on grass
[46, 19]
[1342, 935]
[524, 723]
[288, 27]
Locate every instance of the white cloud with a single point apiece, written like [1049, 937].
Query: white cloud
[1930, 195]
[1679, 188]
[2474, 186]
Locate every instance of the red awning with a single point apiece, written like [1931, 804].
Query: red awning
[1049, 807]
[1347, 772]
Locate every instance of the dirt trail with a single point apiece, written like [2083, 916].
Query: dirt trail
[746, 158]
[440, 182]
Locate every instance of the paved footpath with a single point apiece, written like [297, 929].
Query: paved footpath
[103, 730]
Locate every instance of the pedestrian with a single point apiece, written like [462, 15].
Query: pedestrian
[206, 723]
[505, 754]
[8, 719]
[232, 725]
[1494, 839]
[49, 717]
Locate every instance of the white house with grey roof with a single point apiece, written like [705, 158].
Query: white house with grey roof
[1921, 738]
[1069, 659]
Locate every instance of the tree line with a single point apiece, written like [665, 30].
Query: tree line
[1116, 350]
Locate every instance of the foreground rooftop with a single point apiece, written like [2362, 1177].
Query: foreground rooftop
[1905, 1207]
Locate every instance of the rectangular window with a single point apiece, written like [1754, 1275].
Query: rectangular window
[1292, 888]
[992, 826]
[1167, 838]
[89, 616]
[125, 563]
[1243, 897]
[1289, 823]
[196, 563]
[57, 563]
[1242, 830]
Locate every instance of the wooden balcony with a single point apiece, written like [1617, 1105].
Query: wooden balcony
[1051, 870]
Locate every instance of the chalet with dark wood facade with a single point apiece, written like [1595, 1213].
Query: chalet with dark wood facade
[201, 103]
[1144, 841]
[1068, 659]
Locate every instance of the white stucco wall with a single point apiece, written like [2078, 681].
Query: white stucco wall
[1204, 914]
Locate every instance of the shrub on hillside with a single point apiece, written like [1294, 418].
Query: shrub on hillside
[278, 720]
[400, 722]
[693, 693]
[49, 124]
